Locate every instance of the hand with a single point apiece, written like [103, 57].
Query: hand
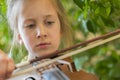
[6, 66]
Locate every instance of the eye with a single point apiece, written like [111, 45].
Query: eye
[32, 25]
[49, 22]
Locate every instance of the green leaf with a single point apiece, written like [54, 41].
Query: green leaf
[84, 27]
[80, 3]
[108, 10]
[79, 61]
[115, 72]
[91, 26]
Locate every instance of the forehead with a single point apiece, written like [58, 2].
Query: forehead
[41, 7]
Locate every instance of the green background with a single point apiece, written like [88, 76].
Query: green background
[89, 19]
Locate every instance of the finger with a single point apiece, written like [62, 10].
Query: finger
[10, 67]
[8, 75]
[5, 71]
[3, 66]
[2, 78]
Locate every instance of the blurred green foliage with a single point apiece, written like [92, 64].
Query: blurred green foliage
[88, 18]
[5, 36]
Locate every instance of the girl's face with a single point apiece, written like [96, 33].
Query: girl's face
[39, 27]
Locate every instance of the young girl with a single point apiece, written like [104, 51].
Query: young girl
[41, 26]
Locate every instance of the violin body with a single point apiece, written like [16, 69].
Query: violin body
[77, 75]
[81, 75]
[54, 72]
[50, 72]
[34, 75]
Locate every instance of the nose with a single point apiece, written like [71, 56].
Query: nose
[41, 32]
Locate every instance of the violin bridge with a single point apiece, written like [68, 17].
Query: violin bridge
[63, 62]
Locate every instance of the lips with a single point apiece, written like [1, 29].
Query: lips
[43, 45]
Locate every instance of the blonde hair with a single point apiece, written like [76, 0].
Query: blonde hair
[14, 7]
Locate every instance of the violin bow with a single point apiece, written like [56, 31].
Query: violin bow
[86, 46]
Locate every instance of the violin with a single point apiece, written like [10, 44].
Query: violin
[45, 66]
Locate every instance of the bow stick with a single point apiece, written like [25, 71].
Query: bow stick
[100, 40]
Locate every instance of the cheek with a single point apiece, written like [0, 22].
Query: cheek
[57, 37]
[28, 40]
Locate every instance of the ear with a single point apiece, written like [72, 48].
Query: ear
[20, 39]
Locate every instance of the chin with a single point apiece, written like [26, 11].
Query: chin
[42, 54]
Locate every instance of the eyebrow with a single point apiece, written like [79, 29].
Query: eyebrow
[29, 20]
[47, 16]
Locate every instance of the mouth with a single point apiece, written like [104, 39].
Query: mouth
[43, 45]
